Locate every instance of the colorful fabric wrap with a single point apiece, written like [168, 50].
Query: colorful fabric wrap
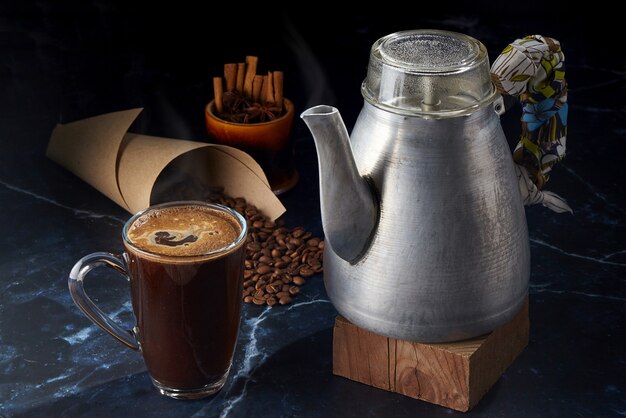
[532, 69]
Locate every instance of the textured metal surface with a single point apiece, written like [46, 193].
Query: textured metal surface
[450, 256]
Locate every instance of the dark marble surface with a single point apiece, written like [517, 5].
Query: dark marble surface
[62, 63]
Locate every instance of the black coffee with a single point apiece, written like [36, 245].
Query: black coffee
[187, 304]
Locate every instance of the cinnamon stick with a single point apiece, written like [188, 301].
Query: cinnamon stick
[278, 89]
[269, 88]
[241, 73]
[218, 90]
[230, 74]
[251, 63]
[257, 85]
[263, 94]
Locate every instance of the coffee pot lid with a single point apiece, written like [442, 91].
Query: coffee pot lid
[430, 72]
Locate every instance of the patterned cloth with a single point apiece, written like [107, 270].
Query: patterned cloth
[532, 69]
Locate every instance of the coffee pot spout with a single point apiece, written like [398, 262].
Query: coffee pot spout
[349, 204]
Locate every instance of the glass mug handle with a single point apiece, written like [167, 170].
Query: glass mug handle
[84, 302]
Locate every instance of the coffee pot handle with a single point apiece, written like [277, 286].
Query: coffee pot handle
[84, 302]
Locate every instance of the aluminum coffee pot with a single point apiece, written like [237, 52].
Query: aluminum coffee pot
[425, 226]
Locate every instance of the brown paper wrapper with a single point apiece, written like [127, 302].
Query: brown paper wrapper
[131, 168]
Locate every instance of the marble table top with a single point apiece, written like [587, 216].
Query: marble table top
[59, 66]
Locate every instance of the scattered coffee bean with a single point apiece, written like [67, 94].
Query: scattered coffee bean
[278, 259]
[285, 299]
[263, 269]
[313, 242]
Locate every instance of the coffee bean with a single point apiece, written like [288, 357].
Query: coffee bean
[263, 269]
[313, 262]
[271, 288]
[306, 272]
[277, 282]
[313, 242]
[278, 259]
[295, 241]
[265, 277]
[284, 300]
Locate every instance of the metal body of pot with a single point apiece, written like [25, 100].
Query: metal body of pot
[450, 256]
[425, 228]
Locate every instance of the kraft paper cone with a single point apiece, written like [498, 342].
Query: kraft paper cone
[129, 168]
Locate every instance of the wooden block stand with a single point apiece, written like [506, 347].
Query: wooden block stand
[455, 375]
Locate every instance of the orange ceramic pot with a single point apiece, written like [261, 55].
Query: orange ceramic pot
[269, 143]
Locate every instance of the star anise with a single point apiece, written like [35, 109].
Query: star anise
[266, 112]
[239, 109]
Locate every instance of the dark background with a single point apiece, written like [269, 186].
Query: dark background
[83, 58]
[63, 61]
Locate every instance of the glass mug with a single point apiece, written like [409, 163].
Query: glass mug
[185, 263]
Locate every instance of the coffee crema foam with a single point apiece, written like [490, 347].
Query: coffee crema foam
[183, 231]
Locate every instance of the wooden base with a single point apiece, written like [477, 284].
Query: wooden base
[455, 375]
